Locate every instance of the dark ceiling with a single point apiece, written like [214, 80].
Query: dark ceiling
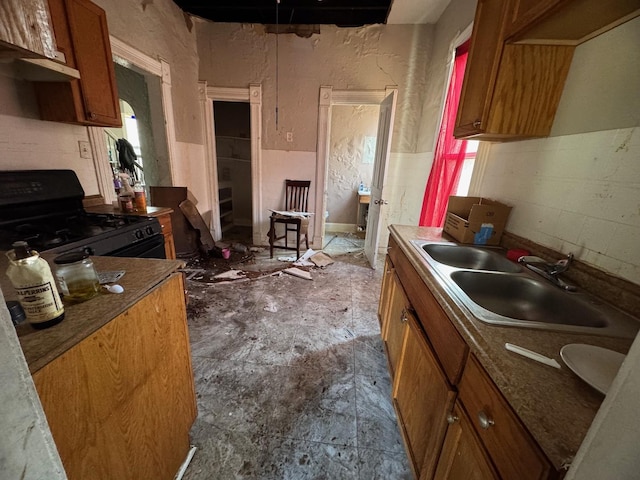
[344, 13]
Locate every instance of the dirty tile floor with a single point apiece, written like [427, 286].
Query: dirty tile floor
[291, 377]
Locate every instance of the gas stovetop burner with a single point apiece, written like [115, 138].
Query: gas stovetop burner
[44, 208]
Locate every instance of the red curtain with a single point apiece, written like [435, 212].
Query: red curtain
[449, 155]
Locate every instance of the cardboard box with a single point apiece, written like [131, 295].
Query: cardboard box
[476, 220]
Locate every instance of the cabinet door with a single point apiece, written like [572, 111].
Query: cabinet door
[395, 323]
[422, 397]
[482, 68]
[463, 456]
[121, 402]
[81, 31]
[509, 91]
[513, 452]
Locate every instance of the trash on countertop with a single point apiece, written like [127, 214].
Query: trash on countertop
[110, 277]
[115, 288]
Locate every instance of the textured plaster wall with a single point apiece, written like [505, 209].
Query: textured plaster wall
[580, 192]
[350, 125]
[346, 58]
[372, 57]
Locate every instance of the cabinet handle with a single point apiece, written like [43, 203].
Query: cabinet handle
[485, 420]
[451, 419]
[477, 124]
[403, 316]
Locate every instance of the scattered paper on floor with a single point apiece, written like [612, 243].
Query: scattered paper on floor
[321, 259]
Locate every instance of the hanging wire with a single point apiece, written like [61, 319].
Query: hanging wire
[277, 64]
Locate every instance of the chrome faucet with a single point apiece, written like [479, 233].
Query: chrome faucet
[548, 270]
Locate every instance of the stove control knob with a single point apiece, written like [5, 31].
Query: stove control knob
[149, 230]
[139, 234]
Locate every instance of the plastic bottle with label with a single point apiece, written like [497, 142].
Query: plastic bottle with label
[35, 287]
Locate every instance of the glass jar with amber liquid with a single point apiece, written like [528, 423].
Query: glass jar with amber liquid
[76, 276]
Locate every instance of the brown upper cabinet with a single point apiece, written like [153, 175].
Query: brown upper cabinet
[514, 79]
[25, 29]
[567, 22]
[82, 36]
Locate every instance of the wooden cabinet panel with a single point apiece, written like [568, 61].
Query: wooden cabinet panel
[513, 452]
[422, 397]
[385, 292]
[450, 348]
[463, 457]
[482, 67]
[167, 231]
[395, 324]
[25, 29]
[528, 89]
[120, 404]
[567, 22]
[81, 30]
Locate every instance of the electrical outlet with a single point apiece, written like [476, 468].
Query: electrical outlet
[85, 149]
[289, 136]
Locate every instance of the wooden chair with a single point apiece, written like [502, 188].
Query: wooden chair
[296, 200]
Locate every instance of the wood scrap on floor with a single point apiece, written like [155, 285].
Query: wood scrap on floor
[321, 259]
[297, 272]
[190, 211]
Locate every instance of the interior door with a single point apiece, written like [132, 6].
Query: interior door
[383, 147]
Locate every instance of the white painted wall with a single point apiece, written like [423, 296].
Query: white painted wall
[350, 127]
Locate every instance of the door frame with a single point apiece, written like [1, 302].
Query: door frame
[131, 56]
[328, 98]
[252, 95]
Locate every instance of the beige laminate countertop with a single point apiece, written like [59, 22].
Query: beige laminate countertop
[554, 405]
[81, 320]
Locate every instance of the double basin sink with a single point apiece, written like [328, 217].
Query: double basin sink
[498, 291]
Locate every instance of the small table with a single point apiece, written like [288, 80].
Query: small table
[363, 211]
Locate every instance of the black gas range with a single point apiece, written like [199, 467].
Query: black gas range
[44, 208]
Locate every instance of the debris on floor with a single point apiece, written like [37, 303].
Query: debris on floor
[296, 272]
[231, 275]
[321, 259]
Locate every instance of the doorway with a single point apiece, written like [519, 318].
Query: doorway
[232, 130]
[385, 100]
[352, 142]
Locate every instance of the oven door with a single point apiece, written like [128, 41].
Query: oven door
[150, 247]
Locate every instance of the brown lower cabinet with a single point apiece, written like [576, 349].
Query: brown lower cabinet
[463, 456]
[121, 402]
[455, 427]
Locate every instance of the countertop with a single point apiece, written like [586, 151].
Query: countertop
[111, 210]
[554, 405]
[81, 320]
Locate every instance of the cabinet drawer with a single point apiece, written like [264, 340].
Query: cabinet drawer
[511, 448]
[449, 346]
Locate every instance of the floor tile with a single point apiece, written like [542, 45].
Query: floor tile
[291, 378]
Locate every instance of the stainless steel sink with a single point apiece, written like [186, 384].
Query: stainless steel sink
[499, 292]
[474, 258]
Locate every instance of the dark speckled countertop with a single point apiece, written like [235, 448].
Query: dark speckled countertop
[555, 405]
[83, 319]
